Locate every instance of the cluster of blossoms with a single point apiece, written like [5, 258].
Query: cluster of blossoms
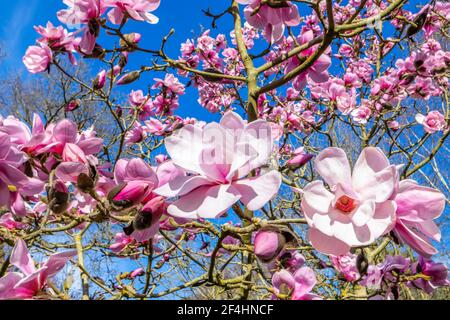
[394, 271]
[291, 277]
[215, 57]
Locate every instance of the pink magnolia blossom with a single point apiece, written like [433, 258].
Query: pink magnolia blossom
[135, 134]
[346, 265]
[318, 72]
[100, 80]
[7, 221]
[37, 59]
[170, 83]
[14, 184]
[273, 19]
[136, 9]
[298, 285]
[31, 281]
[417, 207]
[358, 209]
[136, 181]
[220, 155]
[432, 122]
[361, 114]
[121, 241]
[146, 222]
[81, 11]
[437, 274]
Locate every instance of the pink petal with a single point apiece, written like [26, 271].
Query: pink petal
[21, 259]
[327, 244]
[256, 192]
[333, 166]
[205, 202]
[181, 186]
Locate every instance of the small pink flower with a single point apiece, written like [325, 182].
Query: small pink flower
[136, 9]
[100, 80]
[346, 265]
[361, 114]
[298, 285]
[432, 122]
[38, 58]
[393, 125]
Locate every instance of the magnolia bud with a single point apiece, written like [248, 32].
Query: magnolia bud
[129, 78]
[362, 264]
[268, 244]
[100, 80]
[73, 105]
[85, 183]
[58, 197]
[147, 216]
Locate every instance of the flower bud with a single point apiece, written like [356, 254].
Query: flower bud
[362, 264]
[58, 197]
[100, 80]
[268, 244]
[127, 195]
[85, 183]
[73, 105]
[129, 78]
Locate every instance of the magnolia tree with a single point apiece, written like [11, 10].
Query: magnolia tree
[322, 178]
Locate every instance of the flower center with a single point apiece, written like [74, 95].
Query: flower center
[345, 204]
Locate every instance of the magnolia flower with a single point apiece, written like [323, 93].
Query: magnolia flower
[346, 265]
[13, 182]
[318, 72]
[272, 17]
[121, 241]
[432, 122]
[135, 181]
[38, 58]
[298, 286]
[136, 9]
[417, 207]
[220, 156]
[31, 281]
[358, 208]
[146, 222]
[437, 274]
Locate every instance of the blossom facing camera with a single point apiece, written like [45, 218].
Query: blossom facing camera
[358, 209]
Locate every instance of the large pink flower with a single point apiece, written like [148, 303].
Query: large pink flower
[219, 157]
[30, 281]
[270, 17]
[358, 208]
[417, 207]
